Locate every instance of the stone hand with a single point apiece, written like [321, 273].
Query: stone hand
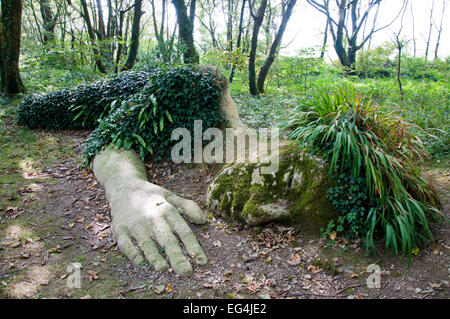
[147, 214]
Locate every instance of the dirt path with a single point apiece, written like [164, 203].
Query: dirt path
[59, 216]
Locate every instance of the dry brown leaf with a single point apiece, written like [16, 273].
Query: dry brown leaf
[295, 260]
[92, 275]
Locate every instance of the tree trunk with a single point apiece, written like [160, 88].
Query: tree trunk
[352, 15]
[185, 32]
[444, 5]
[275, 45]
[238, 43]
[11, 20]
[325, 39]
[132, 53]
[90, 29]
[429, 31]
[48, 21]
[399, 47]
[258, 19]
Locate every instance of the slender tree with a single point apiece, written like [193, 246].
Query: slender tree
[413, 31]
[286, 14]
[430, 29]
[346, 20]
[238, 42]
[135, 30]
[11, 20]
[257, 22]
[91, 32]
[439, 29]
[48, 20]
[185, 33]
[400, 44]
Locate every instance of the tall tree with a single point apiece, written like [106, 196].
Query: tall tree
[400, 44]
[185, 33]
[238, 42]
[346, 19]
[325, 40]
[91, 32]
[428, 39]
[207, 19]
[413, 31]
[11, 20]
[257, 22]
[439, 29]
[286, 14]
[48, 20]
[135, 30]
[256, 85]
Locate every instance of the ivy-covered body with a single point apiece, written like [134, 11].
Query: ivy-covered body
[134, 110]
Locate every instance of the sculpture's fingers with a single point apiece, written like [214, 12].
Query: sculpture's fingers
[148, 247]
[126, 246]
[187, 236]
[189, 208]
[172, 248]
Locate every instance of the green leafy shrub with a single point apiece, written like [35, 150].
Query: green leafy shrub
[79, 107]
[172, 98]
[349, 198]
[360, 138]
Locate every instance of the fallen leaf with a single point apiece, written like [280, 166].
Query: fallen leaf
[169, 288]
[57, 249]
[355, 275]
[217, 243]
[314, 269]
[14, 209]
[333, 235]
[159, 289]
[207, 285]
[306, 287]
[79, 219]
[295, 260]
[92, 275]
[415, 251]
[435, 285]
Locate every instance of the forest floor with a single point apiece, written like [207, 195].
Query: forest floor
[54, 213]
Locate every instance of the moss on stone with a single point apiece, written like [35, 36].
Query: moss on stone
[301, 182]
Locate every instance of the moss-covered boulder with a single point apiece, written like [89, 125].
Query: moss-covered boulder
[296, 193]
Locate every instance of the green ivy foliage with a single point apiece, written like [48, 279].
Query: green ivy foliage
[349, 198]
[133, 110]
[79, 107]
[173, 97]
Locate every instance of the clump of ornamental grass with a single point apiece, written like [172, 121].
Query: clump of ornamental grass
[362, 139]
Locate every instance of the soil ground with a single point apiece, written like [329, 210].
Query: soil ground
[53, 213]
